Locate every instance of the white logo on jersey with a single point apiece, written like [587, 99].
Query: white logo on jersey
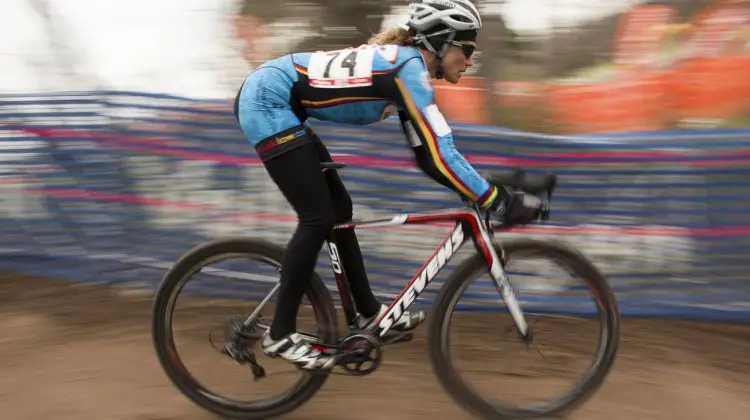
[426, 80]
[411, 135]
[389, 52]
[436, 120]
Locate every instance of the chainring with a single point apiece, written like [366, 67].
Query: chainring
[361, 354]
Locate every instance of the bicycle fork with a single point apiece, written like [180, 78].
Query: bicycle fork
[496, 268]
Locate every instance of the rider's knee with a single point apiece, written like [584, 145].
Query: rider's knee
[321, 222]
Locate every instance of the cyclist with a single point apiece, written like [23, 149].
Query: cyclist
[362, 85]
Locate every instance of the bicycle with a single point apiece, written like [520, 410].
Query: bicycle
[362, 347]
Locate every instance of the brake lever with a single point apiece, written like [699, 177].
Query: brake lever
[545, 208]
[544, 211]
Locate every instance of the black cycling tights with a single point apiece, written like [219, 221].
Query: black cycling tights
[320, 201]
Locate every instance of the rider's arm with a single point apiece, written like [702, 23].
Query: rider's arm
[421, 153]
[438, 156]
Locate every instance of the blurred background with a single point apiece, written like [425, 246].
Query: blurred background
[553, 66]
[119, 152]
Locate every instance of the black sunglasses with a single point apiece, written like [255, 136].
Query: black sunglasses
[468, 49]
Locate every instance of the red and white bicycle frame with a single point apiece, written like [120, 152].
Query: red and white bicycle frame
[468, 224]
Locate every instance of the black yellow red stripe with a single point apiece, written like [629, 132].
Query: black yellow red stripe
[382, 72]
[432, 143]
[303, 70]
[488, 197]
[338, 101]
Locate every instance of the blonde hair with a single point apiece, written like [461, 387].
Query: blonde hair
[391, 36]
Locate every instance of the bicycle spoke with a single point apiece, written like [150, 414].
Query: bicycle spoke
[462, 353]
[206, 291]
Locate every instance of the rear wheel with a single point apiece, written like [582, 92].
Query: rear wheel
[605, 334]
[193, 263]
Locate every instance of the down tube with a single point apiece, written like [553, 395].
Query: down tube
[485, 246]
[439, 259]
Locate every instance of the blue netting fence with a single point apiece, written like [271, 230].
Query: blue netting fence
[112, 187]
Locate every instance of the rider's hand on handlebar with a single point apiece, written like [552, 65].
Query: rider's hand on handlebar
[515, 207]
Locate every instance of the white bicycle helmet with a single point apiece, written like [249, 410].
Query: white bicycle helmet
[452, 15]
[434, 24]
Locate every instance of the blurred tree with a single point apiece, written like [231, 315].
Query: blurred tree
[686, 9]
[343, 23]
[266, 10]
[347, 23]
[351, 22]
[497, 42]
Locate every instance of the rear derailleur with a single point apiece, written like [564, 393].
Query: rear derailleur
[239, 341]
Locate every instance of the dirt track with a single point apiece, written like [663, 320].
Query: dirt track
[77, 352]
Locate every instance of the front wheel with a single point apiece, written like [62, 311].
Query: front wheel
[605, 335]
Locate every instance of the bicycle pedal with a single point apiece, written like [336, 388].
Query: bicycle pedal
[401, 338]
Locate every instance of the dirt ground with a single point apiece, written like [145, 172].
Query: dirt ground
[83, 352]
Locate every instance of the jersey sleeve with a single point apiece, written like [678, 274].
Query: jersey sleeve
[416, 96]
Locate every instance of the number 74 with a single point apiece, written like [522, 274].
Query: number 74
[348, 63]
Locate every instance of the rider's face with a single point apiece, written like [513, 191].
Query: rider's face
[455, 61]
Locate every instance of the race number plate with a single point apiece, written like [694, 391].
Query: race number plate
[351, 67]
